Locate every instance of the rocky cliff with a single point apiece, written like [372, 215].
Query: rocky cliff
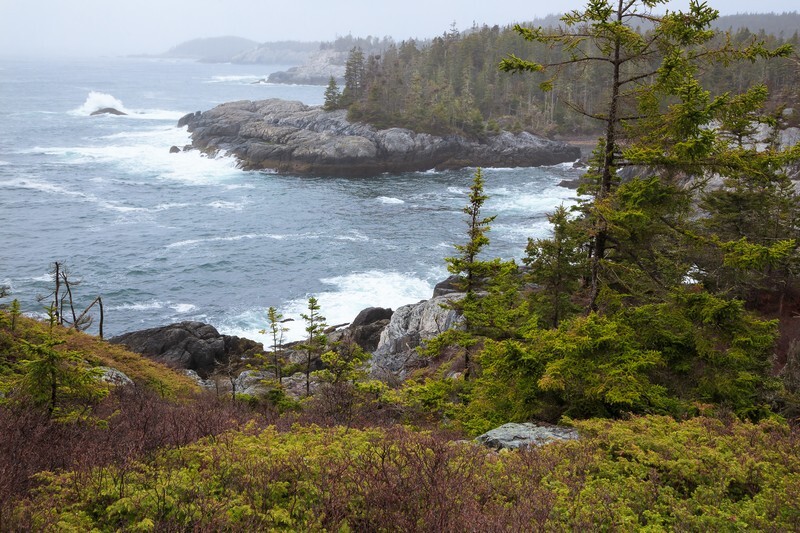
[292, 137]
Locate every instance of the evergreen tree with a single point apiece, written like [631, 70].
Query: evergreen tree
[354, 78]
[466, 262]
[57, 380]
[276, 331]
[332, 95]
[315, 328]
[653, 98]
[556, 265]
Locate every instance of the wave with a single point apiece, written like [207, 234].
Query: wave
[152, 305]
[98, 100]
[4, 163]
[45, 187]
[238, 79]
[353, 236]
[146, 153]
[232, 238]
[568, 164]
[349, 294]
[389, 200]
[220, 204]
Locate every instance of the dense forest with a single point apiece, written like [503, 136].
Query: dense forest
[659, 318]
[451, 84]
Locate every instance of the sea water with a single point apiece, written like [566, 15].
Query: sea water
[166, 237]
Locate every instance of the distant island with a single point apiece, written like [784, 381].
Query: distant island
[295, 138]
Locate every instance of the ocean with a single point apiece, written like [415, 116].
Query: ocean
[170, 237]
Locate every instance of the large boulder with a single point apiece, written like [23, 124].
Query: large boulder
[512, 436]
[408, 328]
[188, 345]
[295, 138]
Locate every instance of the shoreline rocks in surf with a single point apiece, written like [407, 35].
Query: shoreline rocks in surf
[291, 137]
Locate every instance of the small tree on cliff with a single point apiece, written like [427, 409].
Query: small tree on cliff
[276, 331]
[57, 380]
[315, 328]
[332, 96]
[466, 263]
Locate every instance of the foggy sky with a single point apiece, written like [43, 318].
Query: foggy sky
[122, 27]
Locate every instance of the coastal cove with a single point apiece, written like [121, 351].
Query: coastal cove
[173, 237]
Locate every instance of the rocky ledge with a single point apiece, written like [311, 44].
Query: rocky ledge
[291, 137]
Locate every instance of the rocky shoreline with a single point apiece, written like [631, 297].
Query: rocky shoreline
[291, 137]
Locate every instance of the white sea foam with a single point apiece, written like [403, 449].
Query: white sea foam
[146, 153]
[97, 100]
[152, 305]
[4, 163]
[389, 200]
[241, 79]
[532, 201]
[182, 308]
[348, 296]
[231, 238]
[353, 236]
[219, 204]
[45, 187]
[568, 164]
[521, 232]
[138, 306]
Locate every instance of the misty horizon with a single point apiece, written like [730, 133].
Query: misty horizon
[52, 28]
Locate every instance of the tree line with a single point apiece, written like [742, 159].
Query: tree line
[451, 83]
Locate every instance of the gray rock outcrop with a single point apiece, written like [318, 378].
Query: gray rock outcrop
[113, 376]
[188, 345]
[107, 111]
[365, 330]
[292, 137]
[513, 436]
[317, 70]
[409, 327]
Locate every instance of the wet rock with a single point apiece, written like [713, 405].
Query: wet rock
[107, 111]
[409, 327]
[114, 376]
[513, 436]
[295, 138]
[188, 345]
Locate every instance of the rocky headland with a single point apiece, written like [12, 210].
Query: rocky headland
[291, 137]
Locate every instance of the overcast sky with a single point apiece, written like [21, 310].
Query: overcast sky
[121, 27]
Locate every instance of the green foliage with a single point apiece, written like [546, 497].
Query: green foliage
[57, 380]
[597, 368]
[466, 262]
[332, 96]
[345, 364]
[556, 265]
[314, 344]
[276, 331]
[15, 313]
[649, 473]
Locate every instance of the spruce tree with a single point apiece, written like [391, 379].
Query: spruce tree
[655, 111]
[276, 331]
[315, 328]
[332, 95]
[466, 263]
